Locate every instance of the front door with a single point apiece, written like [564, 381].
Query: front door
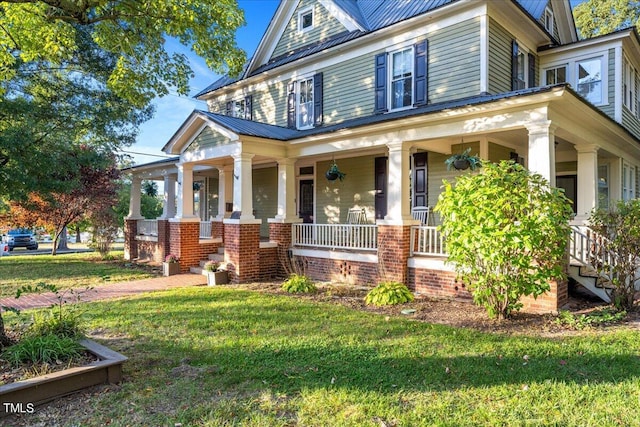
[305, 202]
[569, 183]
[381, 187]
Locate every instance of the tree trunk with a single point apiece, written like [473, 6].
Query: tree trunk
[4, 339]
[78, 235]
[62, 242]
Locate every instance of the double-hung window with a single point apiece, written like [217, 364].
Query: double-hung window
[305, 20]
[556, 75]
[589, 79]
[548, 20]
[628, 85]
[240, 108]
[523, 67]
[628, 182]
[304, 102]
[401, 78]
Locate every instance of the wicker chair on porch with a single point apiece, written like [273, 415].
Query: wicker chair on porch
[357, 216]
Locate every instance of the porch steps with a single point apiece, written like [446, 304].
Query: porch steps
[589, 279]
[219, 257]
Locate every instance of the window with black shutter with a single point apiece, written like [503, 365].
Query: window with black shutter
[305, 103]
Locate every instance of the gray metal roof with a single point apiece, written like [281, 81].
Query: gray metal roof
[251, 128]
[371, 15]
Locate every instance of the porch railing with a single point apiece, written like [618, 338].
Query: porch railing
[205, 229]
[427, 240]
[147, 227]
[592, 250]
[362, 237]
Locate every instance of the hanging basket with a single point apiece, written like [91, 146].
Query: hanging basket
[461, 164]
[334, 173]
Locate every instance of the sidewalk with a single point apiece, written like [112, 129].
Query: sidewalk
[108, 291]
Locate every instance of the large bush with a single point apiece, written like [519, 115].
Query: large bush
[506, 233]
[621, 227]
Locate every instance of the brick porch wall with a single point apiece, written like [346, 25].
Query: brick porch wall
[184, 242]
[270, 267]
[130, 243]
[352, 272]
[436, 284]
[280, 233]
[150, 251]
[217, 229]
[393, 252]
[550, 302]
[164, 238]
[242, 252]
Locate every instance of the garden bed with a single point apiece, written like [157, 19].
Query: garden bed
[24, 395]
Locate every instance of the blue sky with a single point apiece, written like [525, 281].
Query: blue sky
[172, 110]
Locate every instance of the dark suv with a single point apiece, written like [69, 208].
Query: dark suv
[21, 238]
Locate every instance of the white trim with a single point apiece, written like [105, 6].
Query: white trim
[617, 83]
[268, 245]
[549, 12]
[390, 52]
[241, 221]
[336, 255]
[484, 53]
[147, 238]
[349, 23]
[301, 14]
[430, 263]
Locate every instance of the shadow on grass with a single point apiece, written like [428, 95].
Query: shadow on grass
[259, 341]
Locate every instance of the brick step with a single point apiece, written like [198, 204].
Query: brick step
[197, 270]
[216, 257]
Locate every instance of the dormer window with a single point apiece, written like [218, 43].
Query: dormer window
[523, 67]
[240, 108]
[548, 20]
[305, 20]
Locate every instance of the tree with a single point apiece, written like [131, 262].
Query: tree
[135, 31]
[506, 233]
[150, 206]
[620, 226]
[597, 17]
[93, 189]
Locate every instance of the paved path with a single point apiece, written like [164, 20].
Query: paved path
[107, 291]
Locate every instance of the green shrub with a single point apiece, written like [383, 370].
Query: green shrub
[60, 321]
[297, 284]
[389, 293]
[601, 317]
[42, 349]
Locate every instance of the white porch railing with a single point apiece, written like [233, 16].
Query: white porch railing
[205, 229]
[362, 237]
[427, 240]
[590, 249]
[147, 227]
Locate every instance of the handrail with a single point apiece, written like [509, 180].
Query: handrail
[336, 236]
[427, 240]
[205, 230]
[592, 250]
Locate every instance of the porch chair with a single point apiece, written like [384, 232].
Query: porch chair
[421, 213]
[356, 216]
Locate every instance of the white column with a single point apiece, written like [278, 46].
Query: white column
[398, 197]
[542, 150]
[169, 206]
[134, 198]
[587, 180]
[185, 191]
[243, 185]
[225, 180]
[286, 190]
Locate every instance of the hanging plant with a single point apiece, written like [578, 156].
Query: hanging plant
[334, 173]
[463, 161]
[197, 186]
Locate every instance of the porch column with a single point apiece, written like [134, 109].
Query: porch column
[542, 150]
[398, 197]
[134, 199]
[225, 190]
[169, 205]
[185, 191]
[587, 180]
[243, 185]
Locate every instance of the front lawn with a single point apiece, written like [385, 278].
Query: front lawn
[65, 271]
[223, 356]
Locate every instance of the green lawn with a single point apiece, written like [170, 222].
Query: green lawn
[65, 271]
[253, 359]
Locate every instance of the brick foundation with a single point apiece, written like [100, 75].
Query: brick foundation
[436, 284]
[270, 267]
[280, 233]
[352, 272]
[185, 242]
[549, 302]
[242, 252]
[217, 229]
[130, 243]
[150, 251]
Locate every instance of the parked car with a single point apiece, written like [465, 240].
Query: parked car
[21, 238]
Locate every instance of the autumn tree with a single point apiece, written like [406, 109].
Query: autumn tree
[93, 189]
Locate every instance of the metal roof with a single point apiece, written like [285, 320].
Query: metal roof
[534, 7]
[251, 128]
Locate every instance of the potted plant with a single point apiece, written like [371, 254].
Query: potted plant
[463, 161]
[171, 265]
[334, 173]
[215, 275]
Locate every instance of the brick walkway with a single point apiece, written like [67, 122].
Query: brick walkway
[107, 291]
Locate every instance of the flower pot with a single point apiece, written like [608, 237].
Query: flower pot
[331, 176]
[217, 278]
[461, 164]
[170, 268]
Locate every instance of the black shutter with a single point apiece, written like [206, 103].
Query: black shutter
[381, 83]
[420, 71]
[514, 65]
[229, 110]
[291, 106]
[317, 100]
[420, 179]
[532, 70]
[248, 107]
[381, 180]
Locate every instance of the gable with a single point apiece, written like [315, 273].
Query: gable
[207, 138]
[325, 25]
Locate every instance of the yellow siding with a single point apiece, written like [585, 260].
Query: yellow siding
[207, 138]
[265, 196]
